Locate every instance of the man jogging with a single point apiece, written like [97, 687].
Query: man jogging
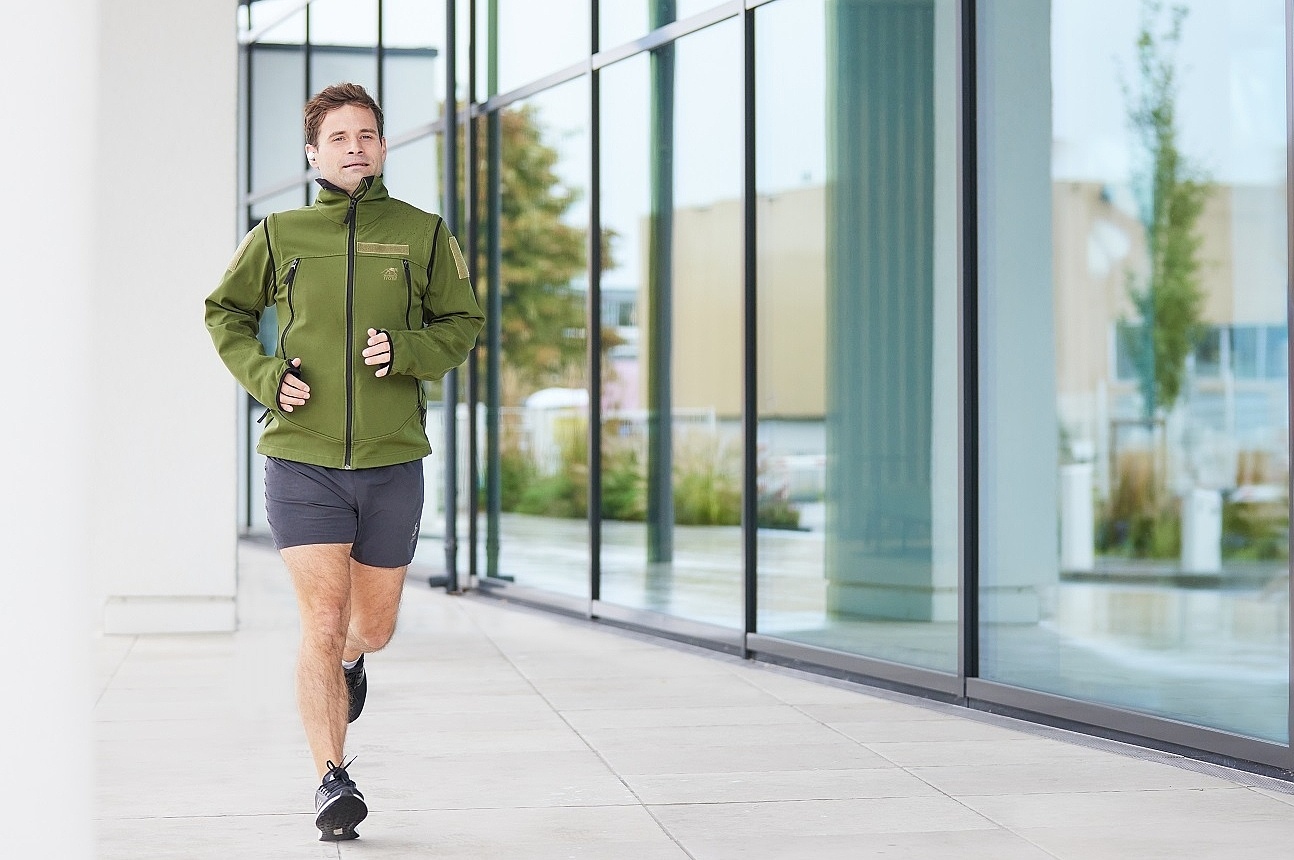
[372, 295]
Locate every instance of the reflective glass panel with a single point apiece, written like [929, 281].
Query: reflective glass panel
[1135, 442]
[413, 64]
[335, 64]
[343, 39]
[412, 173]
[671, 420]
[857, 320]
[278, 80]
[543, 389]
[343, 22]
[622, 21]
[536, 39]
[282, 21]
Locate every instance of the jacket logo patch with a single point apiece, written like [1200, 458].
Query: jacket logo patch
[459, 262]
[242, 246]
[381, 248]
[389, 274]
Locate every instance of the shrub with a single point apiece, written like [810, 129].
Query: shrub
[1133, 523]
[707, 484]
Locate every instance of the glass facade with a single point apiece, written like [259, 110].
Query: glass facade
[937, 343]
[1134, 535]
[671, 387]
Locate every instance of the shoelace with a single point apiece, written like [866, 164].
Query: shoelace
[338, 772]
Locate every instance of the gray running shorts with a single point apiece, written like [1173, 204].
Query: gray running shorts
[377, 510]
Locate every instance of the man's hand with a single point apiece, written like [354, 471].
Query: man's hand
[293, 391]
[379, 351]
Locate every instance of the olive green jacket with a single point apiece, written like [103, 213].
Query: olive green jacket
[332, 271]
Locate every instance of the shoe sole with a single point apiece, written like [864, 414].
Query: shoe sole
[337, 820]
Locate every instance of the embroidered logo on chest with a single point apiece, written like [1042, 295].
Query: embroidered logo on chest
[389, 274]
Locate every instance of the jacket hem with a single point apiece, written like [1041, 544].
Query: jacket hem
[359, 460]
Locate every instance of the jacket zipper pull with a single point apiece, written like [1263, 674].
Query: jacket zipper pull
[350, 210]
[264, 415]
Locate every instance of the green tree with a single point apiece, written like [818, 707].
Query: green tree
[1168, 299]
[543, 324]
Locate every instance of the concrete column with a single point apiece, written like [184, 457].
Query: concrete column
[945, 404]
[47, 53]
[162, 472]
[880, 299]
[1019, 465]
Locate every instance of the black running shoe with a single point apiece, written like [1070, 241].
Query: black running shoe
[339, 805]
[356, 690]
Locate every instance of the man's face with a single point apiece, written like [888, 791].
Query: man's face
[349, 148]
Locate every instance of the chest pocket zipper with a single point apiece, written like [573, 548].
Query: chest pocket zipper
[408, 312]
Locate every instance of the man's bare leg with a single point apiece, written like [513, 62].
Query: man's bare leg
[321, 576]
[374, 604]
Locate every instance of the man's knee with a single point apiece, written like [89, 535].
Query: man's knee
[371, 634]
[328, 623]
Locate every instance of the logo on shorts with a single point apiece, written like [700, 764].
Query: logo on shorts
[389, 274]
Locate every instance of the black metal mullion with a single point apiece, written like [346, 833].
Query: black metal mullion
[381, 56]
[471, 180]
[450, 213]
[968, 366]
[246, 433]
[750, 390]
[494, 299]
[1289, 316]
[593, 341]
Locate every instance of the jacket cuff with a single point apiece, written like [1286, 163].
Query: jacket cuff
[288, 370]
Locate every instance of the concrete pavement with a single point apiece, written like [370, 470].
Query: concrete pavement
[495, 732]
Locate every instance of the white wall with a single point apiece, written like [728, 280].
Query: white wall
[162, 474]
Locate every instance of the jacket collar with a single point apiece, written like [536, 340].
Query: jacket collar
[336, 205]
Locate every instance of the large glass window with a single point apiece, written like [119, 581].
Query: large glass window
[858, 408]
[671, 419]
[1135, 513]
[543, 385]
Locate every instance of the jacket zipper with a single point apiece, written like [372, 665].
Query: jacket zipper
[288, 280]
[350, 330]
[408, 283]
[408, 311]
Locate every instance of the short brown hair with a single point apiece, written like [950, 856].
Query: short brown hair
[329, 99]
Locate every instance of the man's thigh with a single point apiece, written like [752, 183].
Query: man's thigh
[322, 580]
[308, 505]
[388, 503]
